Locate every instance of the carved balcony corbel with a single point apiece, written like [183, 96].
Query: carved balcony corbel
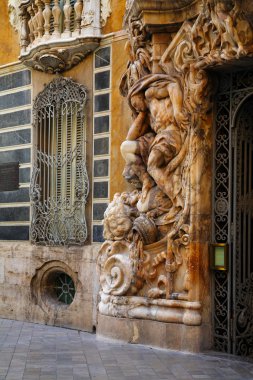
[56, 35]
[161, 15]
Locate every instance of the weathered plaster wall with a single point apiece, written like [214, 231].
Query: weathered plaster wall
[9, 41]
[114, 22]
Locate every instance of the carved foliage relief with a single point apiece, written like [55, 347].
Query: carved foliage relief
[148, 232]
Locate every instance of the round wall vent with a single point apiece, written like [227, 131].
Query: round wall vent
[60, 287]
[54, 286]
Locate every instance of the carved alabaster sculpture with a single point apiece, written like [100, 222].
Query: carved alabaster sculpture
[151, 269]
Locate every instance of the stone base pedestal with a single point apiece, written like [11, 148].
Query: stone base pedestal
[158, 334]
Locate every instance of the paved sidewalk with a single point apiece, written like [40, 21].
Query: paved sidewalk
[29, 351]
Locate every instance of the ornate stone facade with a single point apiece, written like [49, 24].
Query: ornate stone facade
[55, 37]
[154, 262]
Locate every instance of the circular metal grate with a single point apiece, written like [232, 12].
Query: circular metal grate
[64, 288]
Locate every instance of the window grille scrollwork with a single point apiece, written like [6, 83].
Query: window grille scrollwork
[59, 185]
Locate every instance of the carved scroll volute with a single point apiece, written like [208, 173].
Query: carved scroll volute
[47, 15]
[56, 14]
[78, 16]
[40, 18]
[24, 35]
[67, 13]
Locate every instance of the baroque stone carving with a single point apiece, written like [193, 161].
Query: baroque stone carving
[151, 232]
[13, 6]
[54, 37]
[106, 11]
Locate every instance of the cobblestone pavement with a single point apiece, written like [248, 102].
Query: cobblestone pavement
[30, 351]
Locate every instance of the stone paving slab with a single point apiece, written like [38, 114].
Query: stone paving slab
[35, 352]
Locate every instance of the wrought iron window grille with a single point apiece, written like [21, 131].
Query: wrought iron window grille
[59, 184]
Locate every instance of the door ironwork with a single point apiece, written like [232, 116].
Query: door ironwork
[233, 214]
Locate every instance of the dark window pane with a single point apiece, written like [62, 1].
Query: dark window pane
[15, 100]
[98, 234]
[102, 80]
[102, 102]
[101, 168]
[14, 119]
[101, 124]
[100, 190]
[15, 137]
[101, 146]
[22, 78]
[98, 210]
[14, 233]
[102, 57]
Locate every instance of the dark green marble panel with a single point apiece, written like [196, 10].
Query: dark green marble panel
[20, 155]
[101, 124]
[17, 99]
[14, 233]
[19, 79]
[102, 102]
[15, 214]
[101, 168]
[98, 210]
[102, 80]
[24, 175]
[21, 195]
[100, 190]
[101, 146]
[14, 119]
[98, 234]
[15, 137]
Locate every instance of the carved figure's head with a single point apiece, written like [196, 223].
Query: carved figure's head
[118, 219]
[138, 102]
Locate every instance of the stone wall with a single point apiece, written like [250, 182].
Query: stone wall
[25, 287]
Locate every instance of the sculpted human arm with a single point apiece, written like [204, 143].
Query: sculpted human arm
[176, 96]
[138, 128]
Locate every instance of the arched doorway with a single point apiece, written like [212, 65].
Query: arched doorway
[233, 214]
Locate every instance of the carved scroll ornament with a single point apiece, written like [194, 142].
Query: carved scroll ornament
[166, 152]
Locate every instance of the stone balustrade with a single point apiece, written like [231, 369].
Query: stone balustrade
[57, 34]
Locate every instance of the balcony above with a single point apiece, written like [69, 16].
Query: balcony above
[161, 15]
[55, 35]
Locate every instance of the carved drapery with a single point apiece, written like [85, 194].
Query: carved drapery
[152, 253]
